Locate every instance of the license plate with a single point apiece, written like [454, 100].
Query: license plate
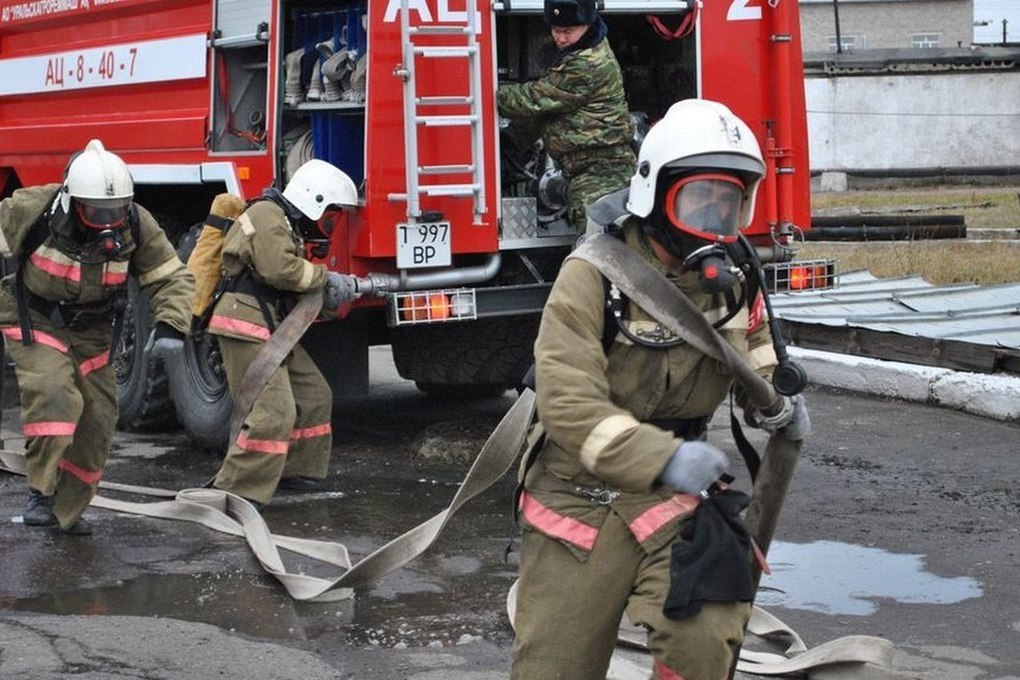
[425, 244]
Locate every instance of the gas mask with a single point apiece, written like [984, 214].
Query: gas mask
[95, 232]
[699, 218]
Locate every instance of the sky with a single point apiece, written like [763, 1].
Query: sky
[995, 11]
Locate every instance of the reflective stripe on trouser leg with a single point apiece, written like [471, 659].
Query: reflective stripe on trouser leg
[311, 439]
[255, 461]
[68, 418]
[568, 611]
[697, 648]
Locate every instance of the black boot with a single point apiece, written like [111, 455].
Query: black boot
[39, 510]
[300, 483]
[82, 527]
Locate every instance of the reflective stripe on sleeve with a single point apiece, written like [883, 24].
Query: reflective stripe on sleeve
[225, 323]
[762, 356]
[163, 271]
[653, 519]
[307, 275]
[84, 476]
[602, 434]
[555, 525]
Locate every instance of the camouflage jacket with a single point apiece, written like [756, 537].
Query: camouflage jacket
[596, 406]
[577, 106]
[53, 275]
[262, 242]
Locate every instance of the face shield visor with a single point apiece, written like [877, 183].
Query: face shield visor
[706, 206]
[103, 214]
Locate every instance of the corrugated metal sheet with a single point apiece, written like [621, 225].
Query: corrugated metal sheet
[983, 315]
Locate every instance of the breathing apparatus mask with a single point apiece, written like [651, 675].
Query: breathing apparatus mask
[698, 218]
[90, 233]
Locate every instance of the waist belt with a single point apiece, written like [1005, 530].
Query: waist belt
[63, 315]
[75, 317]
[270, 299]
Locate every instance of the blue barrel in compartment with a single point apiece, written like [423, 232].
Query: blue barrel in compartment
[339, 138]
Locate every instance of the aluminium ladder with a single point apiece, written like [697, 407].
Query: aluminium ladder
[413, 119]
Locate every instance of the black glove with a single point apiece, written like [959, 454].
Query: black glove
[165, 341]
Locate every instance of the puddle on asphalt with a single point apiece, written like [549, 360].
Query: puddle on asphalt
[234, 602]
[842, 578]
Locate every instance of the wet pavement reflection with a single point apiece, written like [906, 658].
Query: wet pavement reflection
[841, 578]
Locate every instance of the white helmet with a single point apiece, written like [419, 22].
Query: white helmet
[101, 186]
[316, 185]
[697, 134]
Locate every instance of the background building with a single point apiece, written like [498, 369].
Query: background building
[877, 24]
[912, 92]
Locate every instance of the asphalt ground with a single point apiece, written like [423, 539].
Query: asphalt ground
[903, 521]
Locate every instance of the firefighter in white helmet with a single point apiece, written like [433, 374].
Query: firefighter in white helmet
[286, 439]
[75, 246]
[619, 472]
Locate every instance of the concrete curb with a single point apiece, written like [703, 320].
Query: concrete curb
[991, 396]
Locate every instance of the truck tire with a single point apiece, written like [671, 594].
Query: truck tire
[143, 394]
[466, 360]
[198, 386]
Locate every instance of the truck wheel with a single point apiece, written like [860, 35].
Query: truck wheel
[198, 384]
[143, 394]
[199, 389]
[466, 360]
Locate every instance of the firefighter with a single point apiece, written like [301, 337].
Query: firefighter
[74, 246]
[578, 108]
[624, 458]
[286, 439]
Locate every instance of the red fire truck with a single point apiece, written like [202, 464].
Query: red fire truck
[460, 234]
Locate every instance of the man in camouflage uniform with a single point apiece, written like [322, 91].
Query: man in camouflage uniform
[623, 461]
[578, 107]
[75, 245]
[286, 439]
